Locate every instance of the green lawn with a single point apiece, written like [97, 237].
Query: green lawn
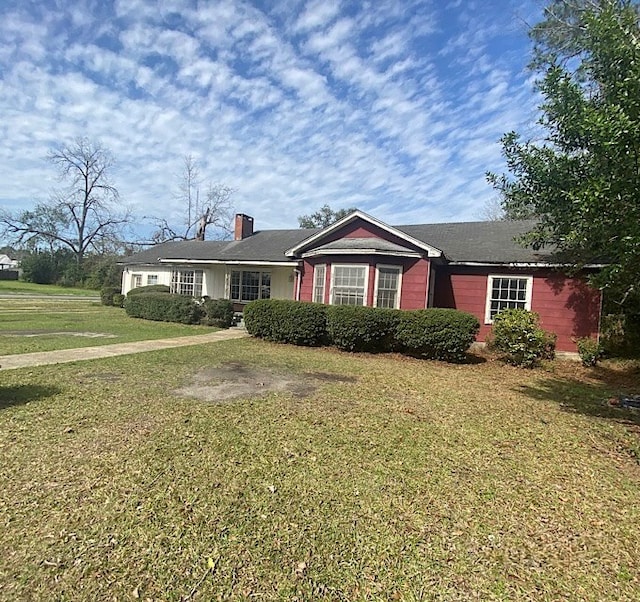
[19, 287]
[416, 481]
[29, 325]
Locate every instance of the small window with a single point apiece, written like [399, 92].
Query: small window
[507, 292]
[187, 282]
[349, 284]
[319, 276]
[136, 280]
[388, 279]
[152, 279]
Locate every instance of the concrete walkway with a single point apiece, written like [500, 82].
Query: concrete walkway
[43, 358]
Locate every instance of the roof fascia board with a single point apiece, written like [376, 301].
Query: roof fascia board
[431, 251]
[229, 262]
[523, 264]
[359, 252]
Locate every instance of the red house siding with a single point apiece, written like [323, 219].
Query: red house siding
[415, 276]
[361, 229]
[567, 306]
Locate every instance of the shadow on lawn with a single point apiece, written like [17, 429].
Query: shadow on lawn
[589, 392]
[23, 394]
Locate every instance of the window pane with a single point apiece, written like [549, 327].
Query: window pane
[265, 288]
[319, 273]
[234, 284]
[250, 286]
[507, 293]
[388, 280]
[348, 285]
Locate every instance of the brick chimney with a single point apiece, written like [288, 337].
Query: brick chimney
[243, 226]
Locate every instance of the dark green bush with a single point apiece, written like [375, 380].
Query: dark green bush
[151, 288]
[285, 321]
[118, 300]
[356, 328]
[443, 334]
[590, 351]
[218, 312]
[107, 293]
[164, 307]
[620, 335]
[518, 336]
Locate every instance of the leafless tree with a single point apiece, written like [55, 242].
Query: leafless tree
[215, 210]
[82, 215]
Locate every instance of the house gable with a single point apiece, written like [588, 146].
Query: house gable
[361, 226]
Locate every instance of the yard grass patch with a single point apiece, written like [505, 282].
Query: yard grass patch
[409, 480]
[30, 325]
[29, 288]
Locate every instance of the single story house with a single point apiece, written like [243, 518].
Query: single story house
[477, 267]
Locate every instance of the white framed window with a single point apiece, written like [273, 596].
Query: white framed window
[152, 279]
[136, 280]
[507, 292]
[187, 282]
[248, 285]
[349, 284]
[319, 279]
[388, 286]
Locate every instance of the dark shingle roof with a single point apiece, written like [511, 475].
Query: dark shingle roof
[362, 244]
[484, 242]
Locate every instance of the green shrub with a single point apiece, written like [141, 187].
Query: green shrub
[518, 336]
[590, 351]
[107, 293]
[620, 335]
[118, 300]
[164, 307]
[443, 334]
[151, 288]
[218, 312]
[356, 328]
[286, 321]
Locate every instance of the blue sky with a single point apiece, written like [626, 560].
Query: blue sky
[395, 107]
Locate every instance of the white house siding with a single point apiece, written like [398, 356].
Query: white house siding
[215, 282]
[282, 282]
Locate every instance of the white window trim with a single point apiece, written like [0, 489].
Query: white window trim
[152, 276]
[136, 276]
[528, 296]
[398, 292]
[324, 283]
[351, 265]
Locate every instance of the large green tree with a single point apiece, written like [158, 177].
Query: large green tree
[582, 181]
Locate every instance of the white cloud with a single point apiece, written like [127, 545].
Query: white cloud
[296, 107]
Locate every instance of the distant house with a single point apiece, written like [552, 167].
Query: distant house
[477, 267]
[6, 263]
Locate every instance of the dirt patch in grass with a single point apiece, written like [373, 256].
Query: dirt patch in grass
[236, 380]
[41, 333]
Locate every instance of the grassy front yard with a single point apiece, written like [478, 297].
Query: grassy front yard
[415, 481]
[28, 325]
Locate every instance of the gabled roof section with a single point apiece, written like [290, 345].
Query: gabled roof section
[317, 236]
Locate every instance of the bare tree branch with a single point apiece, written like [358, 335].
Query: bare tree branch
[79, 213]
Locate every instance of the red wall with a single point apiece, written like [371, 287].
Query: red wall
[567, 306]
[415, 276]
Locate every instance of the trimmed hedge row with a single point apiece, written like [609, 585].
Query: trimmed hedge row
[444, 334]
[218, 312]
[164, 307]
[283, 321]
[150, 288]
